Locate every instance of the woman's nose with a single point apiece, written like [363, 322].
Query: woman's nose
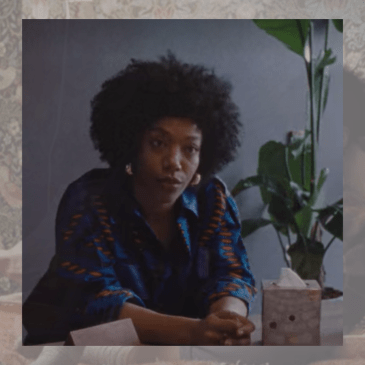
[172, 159]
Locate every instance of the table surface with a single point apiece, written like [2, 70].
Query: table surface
[331, 326]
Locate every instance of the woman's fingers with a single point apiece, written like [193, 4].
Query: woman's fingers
[243, 325]
[244, 341]
[246, 327]
[228, 326]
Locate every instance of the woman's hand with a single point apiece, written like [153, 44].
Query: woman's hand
[242, 334]
[222, 328]
[211, 330]
[235, 310]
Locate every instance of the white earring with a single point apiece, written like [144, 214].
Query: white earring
[128, 169]
[196, 180]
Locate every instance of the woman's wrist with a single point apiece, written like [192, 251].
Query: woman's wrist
[157, 328]
[231, 304]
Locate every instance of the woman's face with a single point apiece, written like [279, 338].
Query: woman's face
[168, 159]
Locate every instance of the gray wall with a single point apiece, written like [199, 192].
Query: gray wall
[64, 64]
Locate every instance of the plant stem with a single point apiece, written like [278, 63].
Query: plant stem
[302, 162]
[312, 121]
[282, 247]
[319, 106]
[329, 244]
[287, 163]
[289, 240]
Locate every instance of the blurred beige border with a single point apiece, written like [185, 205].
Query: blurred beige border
[12, 11]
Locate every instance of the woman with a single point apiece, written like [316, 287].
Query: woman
[156, 237]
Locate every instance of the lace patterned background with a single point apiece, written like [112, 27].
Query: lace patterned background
[11, 14]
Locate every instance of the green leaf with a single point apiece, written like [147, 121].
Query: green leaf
[306, 217]
[321, 78]
[326, 81]
[268, 183]
[247, 183]
[299, 153]
[251, 225]
[338, 23]
[323, 60]
[279, 210]
[307, 260]
[314, 201]
[272, 163]
[331, 218]
[293, 33]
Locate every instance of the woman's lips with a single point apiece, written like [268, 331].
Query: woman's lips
[170, 182]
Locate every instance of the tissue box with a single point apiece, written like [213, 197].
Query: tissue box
[291, 315]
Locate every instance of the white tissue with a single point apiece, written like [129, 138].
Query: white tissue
[290, 278]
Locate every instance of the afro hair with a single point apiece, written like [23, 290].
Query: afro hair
[145, 92]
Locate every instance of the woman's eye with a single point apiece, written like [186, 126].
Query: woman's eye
[156, 143]
[192, 149]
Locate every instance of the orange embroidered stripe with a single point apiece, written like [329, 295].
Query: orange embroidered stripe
[107, 231]
[225, 233]
[76, 216]
[98, 203]
[99, 248]
[209, 231]
[235, 275]
[68, 232]
[220, 197]
[226, 240]
[218, 212]
[103, 293]
[66, 238]
[249, 289]
[110, 239]
[213, 225]
[105, 224]
[136, 240]
[205, 238]
[104, 217]
[73, 224]
[234, 265]
[227, 248]
[102, 210]
[218, 219]
[67, 263]
[220, 205]
[214, 295]
[80, 271]
[97, 239]
[73, 267]
[90, 244]
[228, 253]
[95, 273]
[220, 294]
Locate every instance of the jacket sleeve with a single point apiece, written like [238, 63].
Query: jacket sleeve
[229, 269]
[85, 256]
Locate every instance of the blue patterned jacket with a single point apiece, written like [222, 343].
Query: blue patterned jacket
[107, 254]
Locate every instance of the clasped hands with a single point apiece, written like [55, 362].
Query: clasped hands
[223, 327]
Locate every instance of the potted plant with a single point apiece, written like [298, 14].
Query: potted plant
[287, 175]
